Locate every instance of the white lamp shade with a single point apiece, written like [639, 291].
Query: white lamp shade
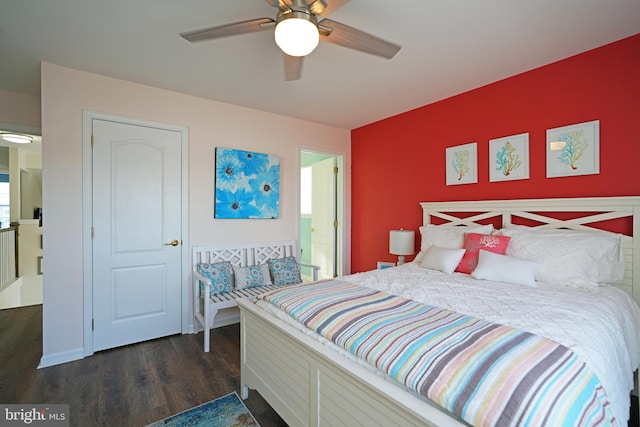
[296, 36]
[402, 242]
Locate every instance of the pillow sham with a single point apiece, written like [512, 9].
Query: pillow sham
[442, 259]
[254, 275]
[505, 269]
[446, 236]
[474, 242]
[569, 257]
[285, 271]
[220, 274]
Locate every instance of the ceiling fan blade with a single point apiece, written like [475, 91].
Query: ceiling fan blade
[243, 27]
[316, 7]
[280, 4]
[344, 35]
[325, 7]
[292, 67]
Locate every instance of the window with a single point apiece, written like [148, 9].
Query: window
[4, 200]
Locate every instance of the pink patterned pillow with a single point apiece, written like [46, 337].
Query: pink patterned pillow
[473, 242]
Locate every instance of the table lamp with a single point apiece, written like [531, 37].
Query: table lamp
[401, 243]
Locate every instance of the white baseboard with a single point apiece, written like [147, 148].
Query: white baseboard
[225, 317]
[61, 357]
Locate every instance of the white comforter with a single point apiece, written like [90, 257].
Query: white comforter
[602, 325]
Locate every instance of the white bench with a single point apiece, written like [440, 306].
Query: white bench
[239, 255]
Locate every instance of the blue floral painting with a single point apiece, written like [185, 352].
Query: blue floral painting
[247, 184]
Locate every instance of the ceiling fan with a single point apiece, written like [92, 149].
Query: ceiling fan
[298, 31]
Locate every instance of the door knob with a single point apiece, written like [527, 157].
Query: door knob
[174, 242]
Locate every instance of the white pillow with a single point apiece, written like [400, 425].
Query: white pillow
[447, 236]
[569, 257]
[442, 259]
[505, 269]
[252, 276]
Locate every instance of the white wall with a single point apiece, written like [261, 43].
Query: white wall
[67, 92]
[19, 112]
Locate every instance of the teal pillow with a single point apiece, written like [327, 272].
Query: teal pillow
[285, 271]
[221, 275]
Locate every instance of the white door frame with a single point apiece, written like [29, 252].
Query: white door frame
[343, 242]
[87, 215]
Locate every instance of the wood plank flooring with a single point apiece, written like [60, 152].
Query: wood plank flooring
[127, 386]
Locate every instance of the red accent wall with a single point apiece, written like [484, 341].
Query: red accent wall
[400, 161]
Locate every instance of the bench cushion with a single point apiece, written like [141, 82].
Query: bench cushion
[285, 271]
[252, 276]
[221, 275]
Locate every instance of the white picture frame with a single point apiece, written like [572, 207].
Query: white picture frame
[462, 164]
[509, 158]
[573, 150]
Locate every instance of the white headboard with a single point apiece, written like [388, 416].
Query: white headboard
[594, 209]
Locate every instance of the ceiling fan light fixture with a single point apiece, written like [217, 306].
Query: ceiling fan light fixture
[297, 33]
[17, 138]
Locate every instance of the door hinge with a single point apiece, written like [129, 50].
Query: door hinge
[93, 324]
[335, 170]
[91, 141]
[93, 232]
[335, 224]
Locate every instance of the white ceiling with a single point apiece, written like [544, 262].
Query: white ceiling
[448, 47]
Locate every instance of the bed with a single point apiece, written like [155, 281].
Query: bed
[311, 381]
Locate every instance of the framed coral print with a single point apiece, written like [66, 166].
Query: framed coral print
[573, 150]
[462, 164]
[509, 158]
[247, 184]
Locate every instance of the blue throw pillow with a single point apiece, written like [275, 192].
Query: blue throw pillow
[221, 275]
[285, 271]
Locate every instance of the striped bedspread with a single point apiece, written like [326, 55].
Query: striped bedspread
[485, 373]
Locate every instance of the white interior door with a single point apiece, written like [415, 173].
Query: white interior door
[136, 215]
[323, 217]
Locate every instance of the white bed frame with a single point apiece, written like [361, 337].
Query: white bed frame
[309, 384]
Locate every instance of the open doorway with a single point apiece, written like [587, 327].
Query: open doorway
[20, 217]
[321, 212]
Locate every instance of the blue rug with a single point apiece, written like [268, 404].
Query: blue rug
[226, 411]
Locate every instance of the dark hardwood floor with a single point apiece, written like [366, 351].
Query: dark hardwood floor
[127, 386]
